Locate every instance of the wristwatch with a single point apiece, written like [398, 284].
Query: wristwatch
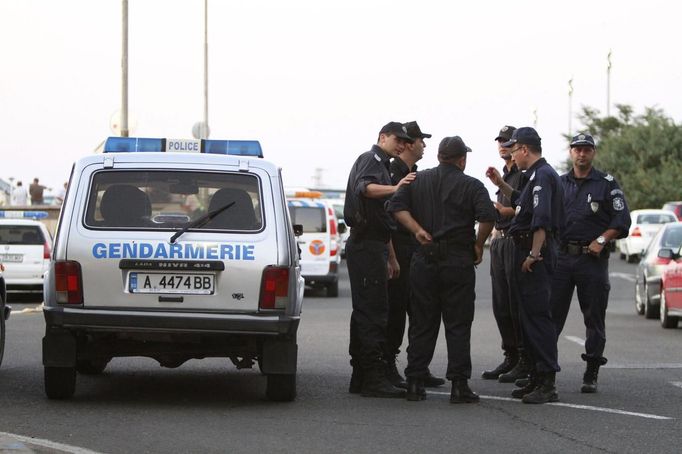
[601, 240]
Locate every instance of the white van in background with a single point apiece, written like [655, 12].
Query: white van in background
[25, 250]
[320, 243]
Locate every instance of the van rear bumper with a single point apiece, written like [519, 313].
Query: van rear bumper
[268, 324]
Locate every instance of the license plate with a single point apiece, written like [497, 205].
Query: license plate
[12, 258]
[188, 284]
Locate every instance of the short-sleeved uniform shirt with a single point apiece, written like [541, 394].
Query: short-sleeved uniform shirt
[514, 178]
[593, 204]
[367, 217]
[398, 171]
[540, 205]
[445, 202]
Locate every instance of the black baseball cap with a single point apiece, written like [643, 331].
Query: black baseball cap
[524, 136]
[452, 147]
[582, 140]
[414, 131]
[397, 129]
[505, 133]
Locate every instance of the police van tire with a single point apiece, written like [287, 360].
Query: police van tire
[281, 387]
[333, 289]
[91, 366]
[60, 382]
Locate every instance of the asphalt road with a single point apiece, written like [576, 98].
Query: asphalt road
[209, 406]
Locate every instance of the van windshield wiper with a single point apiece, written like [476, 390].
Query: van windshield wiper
[200, 221]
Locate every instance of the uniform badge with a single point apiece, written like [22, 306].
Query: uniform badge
[532, 177]
[517, 210]
[618, 204]
[581, 137]
[536, 200]
[505, 129]
[595, 206]
[589, 198]
[608, 177]
[376, 156]
[537, 188]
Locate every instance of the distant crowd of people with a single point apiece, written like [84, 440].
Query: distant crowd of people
[34, 195]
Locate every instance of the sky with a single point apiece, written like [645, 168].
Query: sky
[314, 81]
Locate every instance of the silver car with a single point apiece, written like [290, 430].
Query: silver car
[651, 266]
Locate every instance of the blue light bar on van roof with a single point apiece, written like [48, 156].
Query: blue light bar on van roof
[139, 144]
[10, 214]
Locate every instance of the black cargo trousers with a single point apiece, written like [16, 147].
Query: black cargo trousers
[404, 246]
[441, 287]
[505, 298]
[367, 270]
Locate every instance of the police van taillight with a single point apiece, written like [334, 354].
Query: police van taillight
[274, 291]
[68, 282]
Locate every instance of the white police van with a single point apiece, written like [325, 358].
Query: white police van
[320, 242]
[173, 250]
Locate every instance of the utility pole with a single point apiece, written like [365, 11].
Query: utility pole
[570, 106]
[608, 84]
[124, 72]
[204, 132]
[535, 117]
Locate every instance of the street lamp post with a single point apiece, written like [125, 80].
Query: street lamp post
[608, 84]
[124, 72]
[570, 106]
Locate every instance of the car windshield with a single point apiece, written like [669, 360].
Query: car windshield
[655, 218]
[311, 218]
[172, 200]
[21, 234]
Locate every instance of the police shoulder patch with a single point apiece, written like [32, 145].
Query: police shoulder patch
[616, 192]
[608, 177]
[618, 204]
[377, 157]
[532, 177]
[537, 188]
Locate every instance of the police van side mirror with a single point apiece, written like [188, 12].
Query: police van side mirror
[298, 229]
[666, 253]
[342, 227]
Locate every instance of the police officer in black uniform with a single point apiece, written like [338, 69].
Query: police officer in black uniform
[596, 213]
[371, 260]
[502, 259]
[440, 208]
[539, 220]
[404, 245]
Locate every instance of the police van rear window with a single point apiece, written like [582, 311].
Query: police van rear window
[169, 200]
[311, 218]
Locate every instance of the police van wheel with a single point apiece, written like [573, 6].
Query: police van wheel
[333, 289]
[60, 382]
[91, 366]
[281, 387]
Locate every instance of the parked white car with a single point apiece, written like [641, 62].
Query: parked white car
[645, 224]
[25, 251]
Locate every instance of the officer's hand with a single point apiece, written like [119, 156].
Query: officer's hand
[494, 176]
[528, 263]
[478, 250]
[595, 248]
[423, 237]
[409, 178]
[393, 268]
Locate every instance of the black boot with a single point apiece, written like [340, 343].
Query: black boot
[433, 382]
[528, 387]
[520, 370]
[544, 392]
[591, 373]
[506, 365]
[375, 383]
[355, 385]
[522, 382]
[393, 375]
[462, 394]
[415, 389]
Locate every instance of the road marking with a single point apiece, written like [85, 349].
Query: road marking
[577, 340]
[576, 406]
[644, 366]
[43, 443]
[626, 276]
[29, 310]
[676, 383]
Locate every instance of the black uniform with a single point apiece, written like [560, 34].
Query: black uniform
[404, 245]
[366, 255]
[593, 205]
[539, 205]
[502, 268]
[445, 202]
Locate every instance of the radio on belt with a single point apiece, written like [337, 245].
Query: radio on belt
[142, 144]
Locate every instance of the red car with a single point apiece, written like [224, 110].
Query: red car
[671, 290]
